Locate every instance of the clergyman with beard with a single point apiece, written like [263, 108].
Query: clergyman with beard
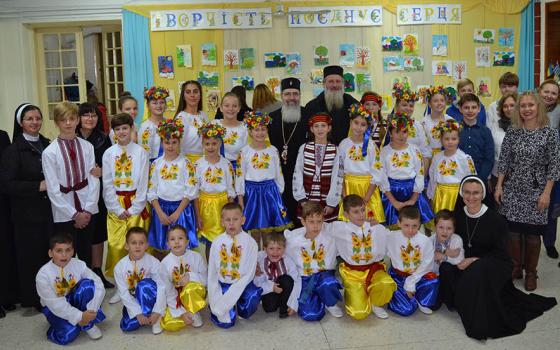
[287, 133]
[334, 101]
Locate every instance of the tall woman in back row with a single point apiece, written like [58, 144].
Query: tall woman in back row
[480, 287]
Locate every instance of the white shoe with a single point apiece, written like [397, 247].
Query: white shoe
[115, 298]
[424, 309]
[335, 311]
[94, 333]
[379, 312]
[156, 327]
[197, 320]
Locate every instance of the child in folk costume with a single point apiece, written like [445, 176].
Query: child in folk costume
[278, 277]
[361, 166]
[71, 187]
[140, 287]
[404, 172]
[317, 166]
[236, 134]
[313, 250]
[171, 189]
[259, 182]
[362, 246]
[231, 269]
[125, 183]
[129, 105]
[373, 102]
[191, 114]
[70, 293]
[436, 97]
[448, 168]
[149, 138]
[214, 181]
[184, 273]
[412, 256]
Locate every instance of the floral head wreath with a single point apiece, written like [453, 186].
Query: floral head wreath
[171, 129]
[358, 110]
[211, 130]
[156, 93]
[402, 92]
[447, 126]
[448, 93]
[254, 119]
[399, 121]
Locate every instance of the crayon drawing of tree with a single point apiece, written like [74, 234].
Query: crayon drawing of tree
[362, 54]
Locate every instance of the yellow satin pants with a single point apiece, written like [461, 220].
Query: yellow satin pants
[210, 208]
[193, 299]
[359, 298]
[116, 236]
[358, 184]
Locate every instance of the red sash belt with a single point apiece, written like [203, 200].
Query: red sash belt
[128, 202]
[430, 275]
[77, 187]
[370, 268]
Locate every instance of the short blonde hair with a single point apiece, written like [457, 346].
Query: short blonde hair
[542, 118]
[64, 110]
[464, 82]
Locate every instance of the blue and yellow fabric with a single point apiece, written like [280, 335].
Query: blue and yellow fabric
[318, 291]
[426, 293]
[403, 190]
[264, 209]
[192, 297]
[246, 305]
[157, 237]
[61, 331]
[146, 295]
[365, 286]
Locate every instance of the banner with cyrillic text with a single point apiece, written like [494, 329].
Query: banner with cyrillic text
[335, 16]
[428, 14]
[211, 19]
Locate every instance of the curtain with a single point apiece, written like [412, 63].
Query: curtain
[138, 72]
[526, 50]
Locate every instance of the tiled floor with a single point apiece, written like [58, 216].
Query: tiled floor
[442, 330]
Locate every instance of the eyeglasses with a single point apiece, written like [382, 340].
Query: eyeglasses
[89, 115]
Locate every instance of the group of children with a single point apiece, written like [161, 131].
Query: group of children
[211, 182]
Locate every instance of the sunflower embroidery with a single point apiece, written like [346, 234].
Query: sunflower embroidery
[232, 261]
[365, 244]
[179, 271]
[448, 168]
[169, 173]
[123, 170]
[63, 285]
[260, 161]
[472, 169]
[411, 257]
[355, 154]
[132, 279]
[213, 175]
[400, 160]
[421, 159]
[191, 172]
[145, 139]
[411, 131]
[238, 172]
[231, 138]
[317, 254]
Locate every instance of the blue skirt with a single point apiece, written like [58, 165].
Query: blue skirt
[157, 237]
[264, 208]
[402, 190]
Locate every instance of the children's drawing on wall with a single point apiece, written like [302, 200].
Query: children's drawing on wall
[347, 55]
[404, 80]
[441, 68]
[392, 43]
[231, 59]
[320, 55]
[246, 81]
[485, 36]
[505, 37]
[411, 45]
[483, 87]
[212, 100]
[293, 65]
[459, 70]
[273, 84]
[482, 56]
[363, 82]
[363, 56]
[392, 63]
[316, 76]
[413, 64]
[208, 78]
[349, 82]
[170, 101]
[247, 57]
[274, 60]
[184, 56]
[504, 58]
[439, 45]
[208, 54]
[165, 67]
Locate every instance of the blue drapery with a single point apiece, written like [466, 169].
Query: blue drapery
[526, 65]
[138, 72]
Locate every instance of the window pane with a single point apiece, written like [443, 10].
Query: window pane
[70, 76]
[111, 74]
[120, 89]
[110, 58]
[54, 94]
[67, 41]
[69, 59]
[53, 77]
[117, 39]
[51, 111]
[52, 59]
[118, 53]
[50, 41]
[113, 106]
[109, 40]
[119, 73]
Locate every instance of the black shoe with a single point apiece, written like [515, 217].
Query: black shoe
[2, 312]
[552, 252]
[106, 284]
[283, 314]
[9, 307]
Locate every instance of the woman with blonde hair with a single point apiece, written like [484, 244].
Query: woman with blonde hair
[264, 100]
[528, 167]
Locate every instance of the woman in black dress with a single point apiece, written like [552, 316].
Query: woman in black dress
[480, 287]
[21, 178]
[90, 129]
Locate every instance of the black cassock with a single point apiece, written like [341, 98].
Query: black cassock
[341, 120]
[298, 138]
[484, 295]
